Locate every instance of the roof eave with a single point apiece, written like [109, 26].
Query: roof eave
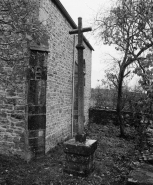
[70, 20]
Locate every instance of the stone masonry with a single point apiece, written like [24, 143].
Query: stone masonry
[59, 82]
[62, 54]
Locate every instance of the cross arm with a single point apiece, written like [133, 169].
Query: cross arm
[82, 30]
[86, 29]
[73, 31]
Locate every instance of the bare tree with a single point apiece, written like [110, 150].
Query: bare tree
[145, 72]
[128, 26]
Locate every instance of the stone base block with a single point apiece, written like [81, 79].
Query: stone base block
[79, 157]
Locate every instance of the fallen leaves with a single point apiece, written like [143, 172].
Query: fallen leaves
[113, 161]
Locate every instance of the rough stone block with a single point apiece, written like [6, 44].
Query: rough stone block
[79, 157]
[141, 176]
[86, 148]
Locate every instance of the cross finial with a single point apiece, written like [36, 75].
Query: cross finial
[80, 31]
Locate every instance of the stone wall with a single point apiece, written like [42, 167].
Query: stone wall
[60, 75]
[104, 116]
[12, 119]
[87, 92]
[14, 134]
[14, 58]
[13, 108]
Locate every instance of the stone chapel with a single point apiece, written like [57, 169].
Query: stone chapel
[43, 112]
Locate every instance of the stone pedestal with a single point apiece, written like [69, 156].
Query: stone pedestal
[79, 157]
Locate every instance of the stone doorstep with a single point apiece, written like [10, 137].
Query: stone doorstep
[142, 175]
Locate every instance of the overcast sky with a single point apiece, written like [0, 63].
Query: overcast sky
[87, 9]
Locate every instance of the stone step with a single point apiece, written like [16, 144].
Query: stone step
[142, 175]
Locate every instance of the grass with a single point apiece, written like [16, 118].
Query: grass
[113, 159]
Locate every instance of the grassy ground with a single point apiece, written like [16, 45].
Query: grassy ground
[113, 161]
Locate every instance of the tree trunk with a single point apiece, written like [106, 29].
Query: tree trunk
[119, 102]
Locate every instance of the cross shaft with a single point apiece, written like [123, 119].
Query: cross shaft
[80, 47]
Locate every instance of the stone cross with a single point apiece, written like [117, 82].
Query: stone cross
[80, 132]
